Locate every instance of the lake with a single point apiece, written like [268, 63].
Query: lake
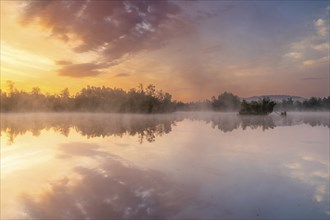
[173, 166]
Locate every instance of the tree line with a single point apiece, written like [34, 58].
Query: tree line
[137, 100]
[311, 104]
[89, 99]
[227, 102]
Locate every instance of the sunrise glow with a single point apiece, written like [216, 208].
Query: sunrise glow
[193, 50]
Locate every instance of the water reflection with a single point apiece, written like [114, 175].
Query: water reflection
[212, 166]
[115, 189]
[227, 122]
[146, 127]
[91, 125]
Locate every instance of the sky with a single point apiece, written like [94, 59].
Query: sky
[191, 49]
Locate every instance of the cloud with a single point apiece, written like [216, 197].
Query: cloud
[213, 49]
[313, 48]
[294, 55]
[63, 62]
[122, 75]
[82, 69]
[313, 78]
[113, 29]
[316, 61]
[322, 27]
[323, 46]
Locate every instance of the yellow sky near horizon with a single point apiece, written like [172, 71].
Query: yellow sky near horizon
[28, 56]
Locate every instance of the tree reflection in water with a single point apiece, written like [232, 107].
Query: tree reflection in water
[115, 189]
[146, 127]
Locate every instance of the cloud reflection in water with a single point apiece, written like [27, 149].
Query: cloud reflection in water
[116, 189]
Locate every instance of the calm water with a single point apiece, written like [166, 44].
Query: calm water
[199, 165]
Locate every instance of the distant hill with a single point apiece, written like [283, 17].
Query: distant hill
[275, 98]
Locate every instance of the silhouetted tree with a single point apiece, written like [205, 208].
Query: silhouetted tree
[226, 102]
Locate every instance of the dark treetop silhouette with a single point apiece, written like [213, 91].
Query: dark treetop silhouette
[262, 107]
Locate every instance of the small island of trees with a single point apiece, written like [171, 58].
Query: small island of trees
[261, 107]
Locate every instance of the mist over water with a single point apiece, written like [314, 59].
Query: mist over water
[180, 165]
